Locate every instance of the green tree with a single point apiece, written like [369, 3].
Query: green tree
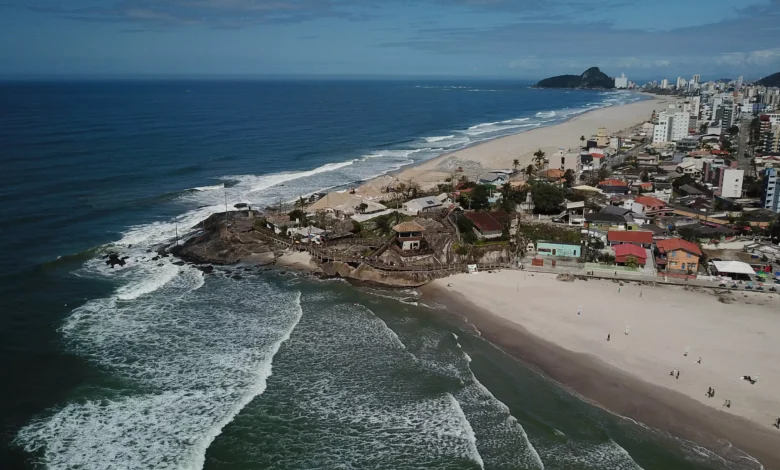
[298, 214]
[582, 140]
[570, 178]
[631, 262]
[529, 172]
[466, 228]
[734, 131]
[479, 198]
[382, 223]
[644, 177]
[603, 173]
[356, 227]
[515, 163]
[362, 207]
[547, 198]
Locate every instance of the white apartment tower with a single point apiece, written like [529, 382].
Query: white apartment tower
[621, 81]
[731, 186]
[662, 132]
[696, 78]
[664, 84]
[680, 123]
[681, 83]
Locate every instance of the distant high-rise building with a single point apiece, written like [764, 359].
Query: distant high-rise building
[621, 81]
[664, 84]
[680, 125]
[696, 78]
[770, 198]
[731, 182]
[681, 83]
[740, 80]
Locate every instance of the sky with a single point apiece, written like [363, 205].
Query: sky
[519, 39]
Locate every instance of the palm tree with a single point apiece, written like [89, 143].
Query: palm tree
[582, 139]
[515, 164]
[529, 172]
[539, 159]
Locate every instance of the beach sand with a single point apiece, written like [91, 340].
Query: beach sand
[300, 260]
[502, 151]
[534, 318]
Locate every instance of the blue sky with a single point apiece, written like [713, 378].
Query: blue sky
[480, 38]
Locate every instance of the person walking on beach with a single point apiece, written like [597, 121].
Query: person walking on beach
[579, 310]
[678, 375]
[608, 336]
[626, 332]
[777, 423]
[699, 361]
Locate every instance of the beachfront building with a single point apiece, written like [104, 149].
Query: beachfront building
[625, 252]
[566, 160]
[425, 204]
[613, 186]
[678, 255]
[610, 218]
[566, 250]
[630, 237]
[621, 81]
[488, 225]
[409, 235]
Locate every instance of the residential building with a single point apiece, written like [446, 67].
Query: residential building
[424, 204]
[650, 203]
[602, 138]
[630, 237]
[681, 83]
[647, 128]
[680, 126]
[678, 255]
[621, 81]
[488, 225]
[646, 159]
[568, 250]
[566, 160]
[613, 186]
[731, 182]
[409, 235]
[664, 84]
[662, 131]
[770, 196]
[624, 252]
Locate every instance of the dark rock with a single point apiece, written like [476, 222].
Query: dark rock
[179, 263]
[114, 259]
[156, 258]
[237, 277]
[206, 269]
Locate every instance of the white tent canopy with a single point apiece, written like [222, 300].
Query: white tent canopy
[733, 267]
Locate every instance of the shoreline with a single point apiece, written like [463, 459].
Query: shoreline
[501, 151]
[618, 390]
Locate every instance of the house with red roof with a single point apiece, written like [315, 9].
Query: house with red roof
[630, 237]
[488, 224]
[613, 186]
[676, 254]
[624, 252]
[652, 204]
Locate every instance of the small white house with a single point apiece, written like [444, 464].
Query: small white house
[426, 204]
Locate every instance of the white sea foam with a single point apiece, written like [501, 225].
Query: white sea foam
[149, 284]
[438, 138]
[545, 114]
[210, 188]
[265, 182]
[193, 363]
[584, 455]
[467, 431]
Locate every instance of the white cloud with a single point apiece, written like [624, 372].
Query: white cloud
[742, 59]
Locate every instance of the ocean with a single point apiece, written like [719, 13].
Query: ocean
[157, 366]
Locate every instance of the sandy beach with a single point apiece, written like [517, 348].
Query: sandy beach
[535, 318]
[502, 151]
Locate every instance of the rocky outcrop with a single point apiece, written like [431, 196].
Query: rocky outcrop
[366, 274]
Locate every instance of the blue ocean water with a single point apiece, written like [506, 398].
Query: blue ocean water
[154, 365]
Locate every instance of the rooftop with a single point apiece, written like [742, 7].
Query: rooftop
[630, 236]
[630, 250]
[673, 244]
[487, 221]
[406, 227]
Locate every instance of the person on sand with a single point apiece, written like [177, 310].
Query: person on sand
[777, 423]
[608, 336]
[678, 375]
[579, 310]
[672, 374]
[699, 360]
[626, 332]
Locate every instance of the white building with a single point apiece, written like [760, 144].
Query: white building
[425, 204]
[621, 81]
[680, 124]
[681, 83]
[664, 84]
[696, 79]
[662, 131]
[732, 183]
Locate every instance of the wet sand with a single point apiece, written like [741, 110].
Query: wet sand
[622, 389]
